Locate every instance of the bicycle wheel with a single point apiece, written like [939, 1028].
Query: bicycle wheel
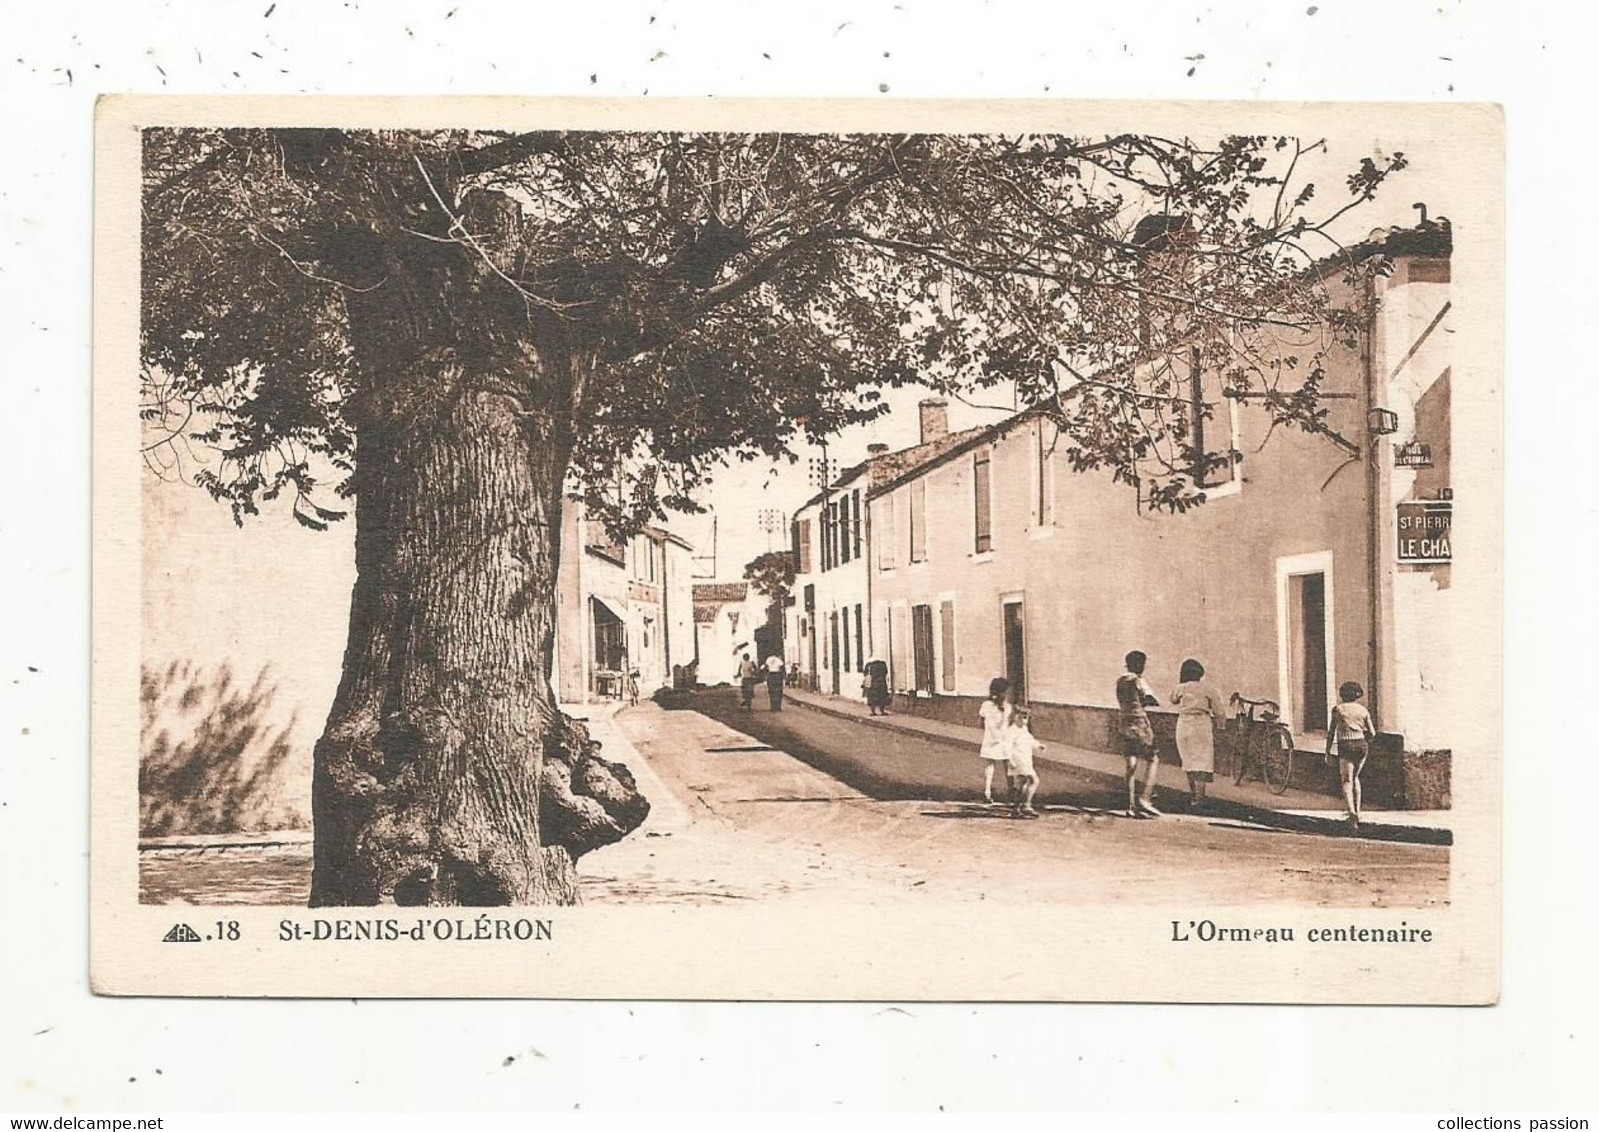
[1241, 757]
[1277, 763]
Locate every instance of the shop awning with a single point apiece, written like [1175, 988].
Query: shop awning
[608, 609]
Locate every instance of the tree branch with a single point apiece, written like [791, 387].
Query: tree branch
[488, 158]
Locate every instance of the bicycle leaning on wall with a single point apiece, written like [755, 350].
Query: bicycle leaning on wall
[1264, 743]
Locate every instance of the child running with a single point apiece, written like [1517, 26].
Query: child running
[1350, 732]
[1021, 745]
[995, 714]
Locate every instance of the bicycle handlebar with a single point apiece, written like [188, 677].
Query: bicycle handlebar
[1270, 708]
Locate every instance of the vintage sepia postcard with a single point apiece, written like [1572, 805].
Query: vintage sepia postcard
[797, 549]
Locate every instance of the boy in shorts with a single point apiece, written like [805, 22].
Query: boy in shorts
[1136, 736]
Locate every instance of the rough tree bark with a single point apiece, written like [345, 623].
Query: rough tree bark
[446, 774]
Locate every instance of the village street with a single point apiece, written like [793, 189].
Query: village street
[748, 805]
[737, 816]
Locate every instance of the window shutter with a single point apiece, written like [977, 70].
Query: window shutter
[982, 504]
[946, 619]
[919, 521]
[885, 533]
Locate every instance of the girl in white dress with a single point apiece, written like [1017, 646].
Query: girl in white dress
[1023, 775]
[995, 715]
[1198, 709]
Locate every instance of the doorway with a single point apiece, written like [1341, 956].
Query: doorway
[834, 667]
[1304, 640]
[808, 626]
[1015, 650]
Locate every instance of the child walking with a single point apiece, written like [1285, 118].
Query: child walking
[995, 714]
[1137, 736]
[1349, 732]
[1022, 747]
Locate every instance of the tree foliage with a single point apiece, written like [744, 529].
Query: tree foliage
[771, 574]
[665, 302]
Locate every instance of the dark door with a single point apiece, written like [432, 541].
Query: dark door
[922, 647]
[833, 620]
[1312, 618]
[1015, 652]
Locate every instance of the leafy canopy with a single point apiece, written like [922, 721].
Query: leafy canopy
[661, 303]
[771, 574]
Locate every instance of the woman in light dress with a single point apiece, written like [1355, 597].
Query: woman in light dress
[1198, 710]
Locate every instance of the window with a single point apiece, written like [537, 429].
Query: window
[860, 640]
[982, 504]
[885, 533]
[919, 521]
[855, 521]
[845, 547]
[1044, 474]
[844, 652]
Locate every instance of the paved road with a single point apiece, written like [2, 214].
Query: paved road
[804, 817]
[898, 765]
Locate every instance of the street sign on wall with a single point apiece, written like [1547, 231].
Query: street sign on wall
[1413, 455]
[1424, 531]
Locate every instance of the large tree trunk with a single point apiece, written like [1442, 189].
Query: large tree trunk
[446, 774]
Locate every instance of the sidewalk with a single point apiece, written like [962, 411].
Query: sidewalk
[1294, 809]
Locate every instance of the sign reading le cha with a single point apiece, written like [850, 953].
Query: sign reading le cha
[1424, 530]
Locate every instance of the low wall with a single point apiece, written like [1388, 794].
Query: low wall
[1393, 779]
[1407, 780]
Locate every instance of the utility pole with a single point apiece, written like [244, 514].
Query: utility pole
[700, 558]
[824, 471]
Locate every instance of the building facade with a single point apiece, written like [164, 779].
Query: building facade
[621, 605]
[1311, 562]
[828, 626]
[730, 619]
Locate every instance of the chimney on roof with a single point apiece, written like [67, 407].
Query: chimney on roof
[876, 449]
[935, 419]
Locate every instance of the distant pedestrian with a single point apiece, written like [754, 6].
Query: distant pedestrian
[747, 675]
[1137, 737]
[1021, 746]
[1349, 732]
[1198, 709]
[876, 678]
[776, 670]
[995, 715]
